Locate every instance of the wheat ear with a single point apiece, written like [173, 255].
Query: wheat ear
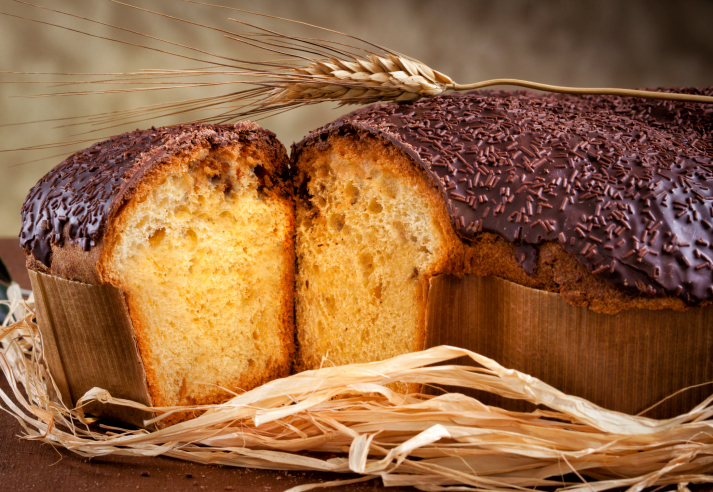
[366, 80]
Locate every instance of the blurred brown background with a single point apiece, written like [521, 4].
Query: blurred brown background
[584, 43]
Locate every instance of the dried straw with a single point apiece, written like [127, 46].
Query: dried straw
[434, 443]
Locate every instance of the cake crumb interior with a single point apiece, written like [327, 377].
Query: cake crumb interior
[367, 243]
[202, 257]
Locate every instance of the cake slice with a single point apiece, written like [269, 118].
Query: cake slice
[604, 200]
[371, 231]
[195, 224]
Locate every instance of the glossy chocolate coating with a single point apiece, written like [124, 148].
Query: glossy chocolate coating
[76, 199]
[623, 184]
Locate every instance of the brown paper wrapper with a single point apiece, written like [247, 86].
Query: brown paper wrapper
[89, 342]
[625, 362]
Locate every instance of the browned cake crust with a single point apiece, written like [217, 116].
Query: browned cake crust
[605, 200]
[73, 217]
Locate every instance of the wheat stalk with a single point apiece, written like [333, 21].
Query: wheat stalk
[311, 71]
[399, 78]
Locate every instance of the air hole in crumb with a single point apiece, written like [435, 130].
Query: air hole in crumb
[377, 291]
[227, 218]
[215, 179]
[157, 236]
[330, 305]
[256, 336]
[181, 211]
[191, 237]
[251, 363]
[367, 262]
[400, 230]
[375, 207]
[336, 221]
[306, 222]
[260, 172]
[352, 192]
[323, 171]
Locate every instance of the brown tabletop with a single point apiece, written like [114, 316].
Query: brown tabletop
[14, 260]
[28, 465]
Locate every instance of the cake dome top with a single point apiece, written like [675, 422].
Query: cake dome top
[623, 184]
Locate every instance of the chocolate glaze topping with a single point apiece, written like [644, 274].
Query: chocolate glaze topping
[623, 184]
[87, 188]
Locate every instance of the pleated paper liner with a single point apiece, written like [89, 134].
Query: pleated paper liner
[89, 342]
[624, 362]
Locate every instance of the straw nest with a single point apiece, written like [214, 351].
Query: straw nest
[445, 442]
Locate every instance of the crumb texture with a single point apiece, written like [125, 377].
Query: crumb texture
[205, 257]
[368, 239]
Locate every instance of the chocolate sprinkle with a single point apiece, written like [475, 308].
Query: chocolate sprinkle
[87, 188]
[623, 184]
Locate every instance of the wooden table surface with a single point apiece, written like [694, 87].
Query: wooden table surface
[29, 465]
[14, 260]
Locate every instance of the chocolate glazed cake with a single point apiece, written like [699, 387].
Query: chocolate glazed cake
[194, 224]
[607, 201]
